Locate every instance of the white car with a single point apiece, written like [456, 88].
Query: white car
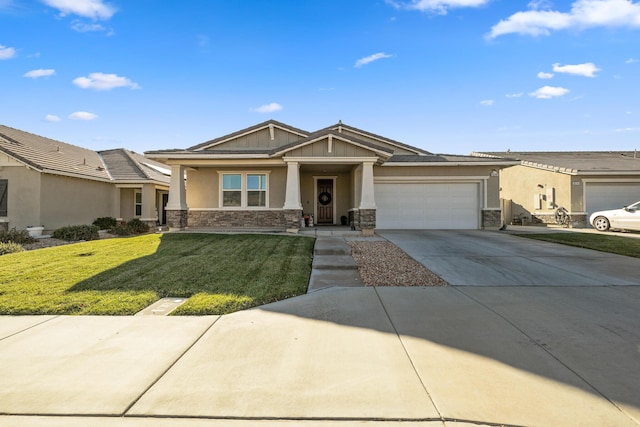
[627, 218]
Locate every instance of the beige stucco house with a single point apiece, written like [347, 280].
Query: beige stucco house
[581, 182]
[274, 175]
[49, 183]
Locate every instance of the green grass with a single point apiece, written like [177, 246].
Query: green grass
[218, 273]
[604, 243]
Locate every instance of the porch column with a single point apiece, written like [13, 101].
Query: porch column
[367, 199]
[292, 197]
[115, 205]
[177, 209]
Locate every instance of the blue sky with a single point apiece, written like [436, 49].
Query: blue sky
[448, 76]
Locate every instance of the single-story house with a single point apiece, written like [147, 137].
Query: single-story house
[275, 175]
[49, 183]
[581, 182]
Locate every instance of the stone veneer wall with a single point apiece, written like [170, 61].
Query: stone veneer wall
[363, 218]
[285, 219]
[177, 218]
[491, 219]
[578, 220]
[4, 226]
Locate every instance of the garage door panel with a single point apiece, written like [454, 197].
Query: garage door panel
[427, 206]
[604, 196]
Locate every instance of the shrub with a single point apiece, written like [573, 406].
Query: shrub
[105, 223]
[74, 233]
[10, 248]
[134, 226]
[20, 237]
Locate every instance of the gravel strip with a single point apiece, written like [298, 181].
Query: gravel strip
[381, 263]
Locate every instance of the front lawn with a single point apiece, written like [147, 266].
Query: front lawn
[599, 242]
[218, 273]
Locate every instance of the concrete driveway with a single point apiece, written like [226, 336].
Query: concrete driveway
[485, 258]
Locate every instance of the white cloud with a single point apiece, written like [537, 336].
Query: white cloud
[514, 95]
[52, 118]
[437, 6]
[82, 115]
[583, 14]
[628, 130]
[487, 102]
[83, 27]
[34, 74]
[540, 4]
[7, 52]
[631, 61]
[94, 9]
[548, 92]
[268, 108]
[102, 81]
[587, 70]
[542, 75]
[366, 60]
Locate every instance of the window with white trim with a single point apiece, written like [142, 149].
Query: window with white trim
[137, 203]
[244, 190]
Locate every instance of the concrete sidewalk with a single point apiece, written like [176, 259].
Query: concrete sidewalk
[338, 357]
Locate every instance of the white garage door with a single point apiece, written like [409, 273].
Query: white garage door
[604, 196]
[443, 206]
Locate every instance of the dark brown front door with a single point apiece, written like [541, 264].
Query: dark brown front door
[325, 201]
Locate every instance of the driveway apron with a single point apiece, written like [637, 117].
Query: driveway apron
[485, 258]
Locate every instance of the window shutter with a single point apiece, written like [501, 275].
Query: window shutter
[4, 184]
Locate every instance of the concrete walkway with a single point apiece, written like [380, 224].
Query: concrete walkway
[521, 356]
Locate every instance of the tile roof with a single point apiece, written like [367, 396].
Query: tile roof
[49, 155]
[126, 165]
[576, 161]
[56, 157]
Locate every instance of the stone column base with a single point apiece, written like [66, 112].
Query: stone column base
[177, 219]
[364, 220]
[4, 225]
[292, 219]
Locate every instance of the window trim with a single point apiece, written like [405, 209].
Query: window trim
[243, 190]
[5, 212]
[136, 204]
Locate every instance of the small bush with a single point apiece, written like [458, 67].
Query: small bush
[105, 223]
[20, 237]
[10, 248]
[74, 233]
[134, 226]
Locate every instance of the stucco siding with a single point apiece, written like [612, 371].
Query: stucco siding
[203, 188]
[23, 195]
[521, 185]
[127, 203]
[72, 201]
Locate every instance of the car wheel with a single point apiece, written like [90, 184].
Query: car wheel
[601, 223]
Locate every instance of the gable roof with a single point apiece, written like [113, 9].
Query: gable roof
[51, 156]
[575, 162]
[327, 132]
[129, 166]
[269, 124]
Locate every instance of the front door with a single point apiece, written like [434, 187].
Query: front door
[325, 201]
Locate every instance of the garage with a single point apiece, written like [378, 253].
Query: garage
[444, 206]
[600, 196]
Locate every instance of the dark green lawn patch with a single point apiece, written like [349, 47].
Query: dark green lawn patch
[218, 273]
[604, 243]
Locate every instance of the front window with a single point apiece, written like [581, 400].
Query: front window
[244, 190]
[4, 195]
[257, 190]
[232, 190]
[138, 203]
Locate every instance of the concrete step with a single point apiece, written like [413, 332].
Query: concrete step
[331, 246]
[334, 262]
[321, 279]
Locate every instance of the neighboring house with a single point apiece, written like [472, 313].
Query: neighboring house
[273, 174]
[581, 182]
[51, 183]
